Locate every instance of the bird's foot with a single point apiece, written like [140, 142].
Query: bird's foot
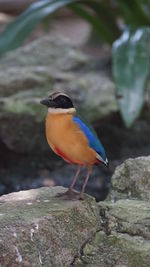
[69, 195]
[81, 197]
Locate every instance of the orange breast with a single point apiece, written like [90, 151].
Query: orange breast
[66, 158]
[67, 140]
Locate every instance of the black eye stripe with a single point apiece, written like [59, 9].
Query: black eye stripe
[62, 97]
[63, 101]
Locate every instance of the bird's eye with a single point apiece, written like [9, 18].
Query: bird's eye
[64, 101]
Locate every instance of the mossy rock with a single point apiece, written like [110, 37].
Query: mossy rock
[125, 238]
[38, 228]
[115, 250]
[132, 179]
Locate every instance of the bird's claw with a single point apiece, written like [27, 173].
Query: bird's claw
[69, 195]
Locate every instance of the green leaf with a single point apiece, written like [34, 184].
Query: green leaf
[131, 67]
[134, 13]
[19, 29]
[107, 15]
[97, 24]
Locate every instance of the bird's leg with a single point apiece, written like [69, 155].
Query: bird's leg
[85, 182]
[69, 193]
[74, 179]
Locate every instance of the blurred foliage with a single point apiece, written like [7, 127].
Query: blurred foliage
[131, 65]
[108, 19]
[131, 58]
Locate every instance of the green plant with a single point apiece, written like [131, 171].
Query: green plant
[131, 65]
[131, 58]
[16, 32]
[104, 16]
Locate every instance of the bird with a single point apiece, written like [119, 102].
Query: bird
[71, 138]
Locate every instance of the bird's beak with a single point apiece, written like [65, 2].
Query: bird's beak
[48, 102]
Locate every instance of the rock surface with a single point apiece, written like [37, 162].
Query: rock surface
[117, 250]
[132, 179]
[124, 240]
[39, 229]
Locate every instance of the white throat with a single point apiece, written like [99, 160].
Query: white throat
[61, 110]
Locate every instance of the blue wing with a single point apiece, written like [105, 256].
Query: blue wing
[92, 137]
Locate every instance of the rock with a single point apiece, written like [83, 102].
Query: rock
[57, 53]
[124, 240]
[130, 217]
[117, 250]
[31, 73]
[132, 179]
[37, 228]
[125, 220]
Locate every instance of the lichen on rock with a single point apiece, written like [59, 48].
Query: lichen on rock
[132, 179]
[115, 250]
[38, 228]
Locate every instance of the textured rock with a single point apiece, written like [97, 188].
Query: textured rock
[126, 216]
[48, 51]
[125, 239]
[32, 72]
[37, 228]
[132, 179]
[117, 250]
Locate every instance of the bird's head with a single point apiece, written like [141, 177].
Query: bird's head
[59, 103]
